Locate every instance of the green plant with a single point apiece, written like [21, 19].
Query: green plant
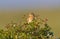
[33, 30]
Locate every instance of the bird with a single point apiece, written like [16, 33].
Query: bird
[30, 18]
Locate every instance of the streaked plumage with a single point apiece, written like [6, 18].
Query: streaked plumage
[30, 17]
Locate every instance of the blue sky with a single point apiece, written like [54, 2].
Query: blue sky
[28, 3]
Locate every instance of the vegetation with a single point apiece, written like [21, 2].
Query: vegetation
[37, 29]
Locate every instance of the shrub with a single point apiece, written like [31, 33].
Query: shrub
[33, 30]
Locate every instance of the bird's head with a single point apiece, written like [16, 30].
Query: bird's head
[31, 15]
